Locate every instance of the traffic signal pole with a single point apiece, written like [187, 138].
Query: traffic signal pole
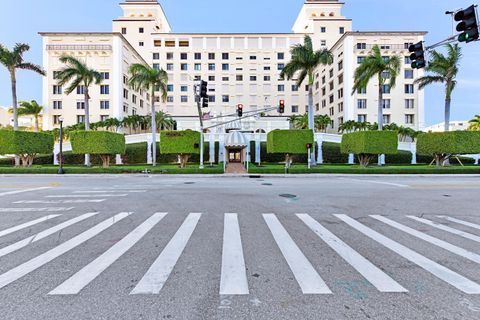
[198, 99]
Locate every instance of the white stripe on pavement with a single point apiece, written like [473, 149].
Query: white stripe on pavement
[445, 274]
[234, 277]
[49, 209]
[447, 228]
[87, 195]
[37, 262]
[82, 278]
[41, 235]
[27, 224]
[60, 201]
[373, 274]
[435, 241]
[158, 273]
[309, 280]
[465, 223]
[109, 191]
[377, 182]
[22, 191]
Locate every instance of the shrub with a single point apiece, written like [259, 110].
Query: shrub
[25, 144]
[102, 143]
[366, 144]
[441, 145]
[289, 142]
[182, 143]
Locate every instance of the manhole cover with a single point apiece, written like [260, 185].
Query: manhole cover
[288, 196]
[189, 182]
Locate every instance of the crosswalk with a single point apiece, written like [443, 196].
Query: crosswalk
[233, 278]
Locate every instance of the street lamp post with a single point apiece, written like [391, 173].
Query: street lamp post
[60, 170]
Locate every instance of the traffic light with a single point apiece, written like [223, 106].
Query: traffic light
[203, 89]
[468, 24]
[281, 106]
[417, 56]
[205, 102]
[240, 110]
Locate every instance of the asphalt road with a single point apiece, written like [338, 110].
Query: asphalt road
[159, 247]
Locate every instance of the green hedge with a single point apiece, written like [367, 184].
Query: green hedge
[180, 142]
[370, 142]
[455, 142]
[97, 142]
[289, 141]
[25, 142]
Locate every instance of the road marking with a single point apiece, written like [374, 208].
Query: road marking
[23, 190]
[445, 274]
[234, 277]
[39, 236]
[369, 271]
[447, 229]
[82, 278]
[309, 280]
[158, 273]
[109, 191]
[378, 182]
[87, 195]
[435, 241]
[465, 223]
[37, 262]
[52, 209]
[60, 201]
[27, 224]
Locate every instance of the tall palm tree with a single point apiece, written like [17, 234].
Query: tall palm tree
[13, 61]
[164, 121]
[79, 74]
[305, 60]
[148, 78]
[322, 122]
[31, 108]
[474, 123]
[347, 126]
[443, 69]
[384, 68]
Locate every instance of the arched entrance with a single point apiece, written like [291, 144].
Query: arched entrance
[236, 145]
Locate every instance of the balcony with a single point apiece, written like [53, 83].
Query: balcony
[58, 47]
[384, 46]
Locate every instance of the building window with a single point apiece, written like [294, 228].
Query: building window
[281, 88]
[361, 46]
[125, 108]
[184, 66]
[280, 55]
[169, 87]
[266, 78]
[225, 79]
[184, 99]
[184, 88]
[409, 89]
[197, 67]
[141, 44]
[408, 60]
[253, 78]
[57, 89]
[340, 93]
[331, 98]
[104, 89]
[156, 66]
[141, 103]
[362, 103]
[170, 99]
[294, 109]
[56, 119]
[157, 43]
[183, 56]
[340, 65]
[225, 98]
[57, 105]
[340, 107]
[125, 93]
[409, 103]
[211, 56]
[409, 118]
[323, 29]
[266, 68]
[340, 79]
[210, 78]
[386, 118]
[239, 77]
[408, 74]
[360, 60]
[124, 30]
[211, 67]
[386, 88]
[225, 66]
[280, 66]
[140, 30]
[324, 104]
[331, 85]
[55, 74]
[169, 55]
[170, 43]
[169, 66]
[105, 75]
[104, 117]
[294, 87]
[253, 57]
[211, 98]
[225, 56]
[341, 30]
[323, 43]
[80, 119]
[134, 98]
[407, 45]
[386, 103]
[331, 111]
[81, 90]
[183, 43]
[362, 118]
[362, 90]
[331, 73]
[104, 104]
[197, 56]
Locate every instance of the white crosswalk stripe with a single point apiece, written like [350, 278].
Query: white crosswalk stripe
[42, 235]
[27, 224]
[49, 209]
[35, 263]
[233, 279]
[447, 275]
[23, 191]
[82, 278]
[308, 279]
[447, 228]
[373, 274]
[155, 278]
[439, 243]
[462, 222]
[87, 195]
[109, 191]
[60, 201]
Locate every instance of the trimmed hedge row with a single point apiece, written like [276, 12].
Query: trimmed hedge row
[289, 141]
[370, 142]
[455, 142]
[25, 142]
[97, 142]
[180, 142]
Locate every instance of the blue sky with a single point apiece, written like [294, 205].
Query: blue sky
[20, 21]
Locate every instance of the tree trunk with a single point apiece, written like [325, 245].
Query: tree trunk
[380, 112]
[311, 122]
[87, 122]
[364, 159]
[105, 160]
[447, 113]
[154, 130]
[14, 106]
[36, 123]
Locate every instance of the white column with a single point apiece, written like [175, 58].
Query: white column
[351, 158]
[258, 149]
[221, 151]
[413, 150]
[149, 151]
[319, 139]
[56, 151]
[211, 149]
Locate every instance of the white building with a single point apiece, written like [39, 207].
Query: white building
[6, 119]
[454, 126]
[241, 68]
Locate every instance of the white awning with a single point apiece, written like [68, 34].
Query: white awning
[236, 139]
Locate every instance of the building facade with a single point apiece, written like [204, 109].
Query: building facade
[240, 69]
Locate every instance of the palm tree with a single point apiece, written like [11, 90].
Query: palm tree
[79, 74]
[474, 123]
[13, 60]
[164, 121]
[443, 69]
[305, 60]
[347, 126]
[322, 122]
[375, 65]
[30, 109]
[148, 78]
